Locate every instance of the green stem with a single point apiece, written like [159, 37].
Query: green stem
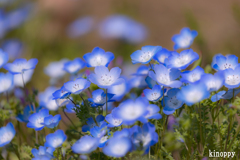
[69, 119]
[201, 134]
[235, 136]
[151, 67]
[106, 103]
[230, 123]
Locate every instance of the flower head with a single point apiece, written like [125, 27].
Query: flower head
[153, 94]
[3, 58]
[105, 78]
[232, 77]
[36, 120]
[6, 82]
[61, 93]
[7, 133]
[221, 62]
[99, 98]
[184, 39]
[192, 76]
[85, 145]
[91, 123]
[161, 55]
[100, 132]
[55, 69]
[20, 65]
[77, 86]
[26, 113]
[145, 55]
[213, 82]
[113, 121]
[74, 66]
[55, 139]
[46, 99]
[119, 90]
[152, 113]
[27, 75]
[43, 152]
[98, 57]
[52, 121]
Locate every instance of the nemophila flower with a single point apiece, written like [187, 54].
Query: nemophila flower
[105, 78]
[153, 94]
[85, 145]
[100, 132]
[52, 121]
[74, 66]
[182, 60]
[166, 77]
[77, 86]
[98, 57]
[193, 93]
[55, 139]
[161, 55]
[62, 102]
[150, 82]
[55, 69]
[13, 47]
[137, 82]
[21, 65]
[6, 82]
[80, 26]
[232, 77]
[117, 147]
[213, 82]
[184, 39]
[61, 93]
[229, 94]
[91, 123]
[152, 113]
[144, 137]
[119, 90]
[7, 133]
[46, 99]
[218, 96]
[145, 55]
[28, 110]
[171, 102]
[3, 58]
[36, 120]
[70, 108]
[130, 111]
[124, 28]
[113, 122]
[43, 152]
[99, 98]
[221, 62]
[18, 80]
[192, 76]
[142, 71]
[125, 132]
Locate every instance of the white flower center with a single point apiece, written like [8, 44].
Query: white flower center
[77, 87]
[146, 56]
[99, 99]
[98, 60]
[117, 122]
[185, 41]
[226, 66]
[7, 136]
[164, 79]
[39, 122]
[106, 79]
[232, 80]
[182, 60]
[56, 142]
[194, 77]
[154, 96]
[103, 139]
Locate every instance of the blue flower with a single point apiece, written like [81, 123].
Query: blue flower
[43, 152]
[100, 132]
[142, 71]
[20, 65]
[166, 77]
[229, 93]
[3, 58]
[193, 93]
[150, 82]
[232, 77]
[74, 66]
[6, 82]
[13, 48]
[221, 62]
[27, 75]
[46, 99]
[119, 90]
[85, 145]
[105, 78]
[137, 82]
[52, 122]
[36, 120]
[70, 108]
[113, 122]
[80, 26]
[99, 98]
[77, 86]
[98, 57]
[184, 39]
[26, 113]
[91, 123]
[145, 55]
[162, 55]
[55, 139]
[192, 76]
[61, 93]
[171, 102]
[153, 94]
[182, 60]
[130, 111]
[152, 113]
[55, 69]
[218, 96]
[213, 82]
[7, 133]
[117, 147]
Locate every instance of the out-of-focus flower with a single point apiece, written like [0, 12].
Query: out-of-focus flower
[6, 82]
[161, 55]
[142, 71]
[85, 145]
[77, 86]
[36, 120]
[55, 139]
[70, 108]
[62, 93]
[99, 98]
[119, 90]
[182, 60]
[100, 132]
[184, 39]
[46, 99]
[91, 123]
[55, 69]
[153, 94]
[98, 57]
[7, 133]
[152, 113]
[166, 77]
[3, 58]
[221, 62]
[21, 65]
[192, 76]
[213, 82]
[26, 113]
[218, 96]
[13, 48]
[171, 102]
[232, 77]
[27, 75]
[105, 78]
[43, 153]
[145, 55]
[74, 66]
[113, 122]
[52, 121]
[193, 93]
[80, 27]
[123, 27]
[225, 95]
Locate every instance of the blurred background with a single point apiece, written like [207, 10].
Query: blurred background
[51, 30]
